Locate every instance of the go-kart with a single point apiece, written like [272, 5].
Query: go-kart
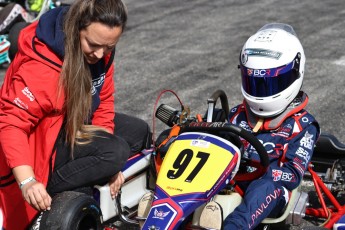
[195, 161]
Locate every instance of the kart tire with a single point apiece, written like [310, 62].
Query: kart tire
[72, 211]
[13, 37]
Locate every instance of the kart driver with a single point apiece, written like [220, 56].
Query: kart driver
[272, 69]
[57, 110]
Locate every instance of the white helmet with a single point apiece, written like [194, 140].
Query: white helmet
[272, 68]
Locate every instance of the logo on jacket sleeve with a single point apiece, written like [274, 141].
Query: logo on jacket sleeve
[20, 103]
[26, 91]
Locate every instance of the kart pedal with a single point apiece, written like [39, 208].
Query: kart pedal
[212, 216]
[144, 207]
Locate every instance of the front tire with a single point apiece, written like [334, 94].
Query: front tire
[72, 211]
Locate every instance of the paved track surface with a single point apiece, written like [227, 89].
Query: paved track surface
[192, 47]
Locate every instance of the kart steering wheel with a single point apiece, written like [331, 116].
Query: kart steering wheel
[220, 127]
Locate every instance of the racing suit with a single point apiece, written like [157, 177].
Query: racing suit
[289, 141]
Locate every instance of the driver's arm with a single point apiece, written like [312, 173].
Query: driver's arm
[290, 170]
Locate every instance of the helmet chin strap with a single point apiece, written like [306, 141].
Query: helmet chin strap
[271, 123]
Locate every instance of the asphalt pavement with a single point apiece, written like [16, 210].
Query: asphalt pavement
[192, 47]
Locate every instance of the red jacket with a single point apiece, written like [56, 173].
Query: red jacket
[30, 119]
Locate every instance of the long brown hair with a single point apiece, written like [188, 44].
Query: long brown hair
[76, 79]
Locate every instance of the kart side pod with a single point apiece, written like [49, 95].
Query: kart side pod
[132, 190]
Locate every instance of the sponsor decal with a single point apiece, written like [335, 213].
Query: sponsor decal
[173, 188]
[307, 141]
[263, 53]
[208, 124]
[259, 72]
[20, 103]
[98, 81]
[93, 90]
[200, 143]
[263, 206]
[282, 176]
[213, 208]
[283, 131]
[299, 161]
[304, 155]
[289, 177]
[299, 167]
[217, 124]
[276, 174]
[305, 119]
[160, 214]
[274, 150]
[244, 125]
[28, 93]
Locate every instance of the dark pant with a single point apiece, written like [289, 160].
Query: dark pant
[96, 162]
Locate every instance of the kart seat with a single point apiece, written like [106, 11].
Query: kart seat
[329, 146]
[294, 211]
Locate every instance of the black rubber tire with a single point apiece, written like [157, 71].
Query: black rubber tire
[13, 37]
[72, 211]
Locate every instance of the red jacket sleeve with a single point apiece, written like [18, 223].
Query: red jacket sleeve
[22, 105]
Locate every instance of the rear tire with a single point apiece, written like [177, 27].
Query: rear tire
[72, 211]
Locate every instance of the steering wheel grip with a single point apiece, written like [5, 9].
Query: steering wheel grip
[261, 167]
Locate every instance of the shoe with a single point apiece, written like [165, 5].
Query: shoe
[212, 216]
[144, 207]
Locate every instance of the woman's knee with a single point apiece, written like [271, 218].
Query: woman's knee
[134, 130]
[113, 150]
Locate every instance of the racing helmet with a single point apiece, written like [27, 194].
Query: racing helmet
[272, 69]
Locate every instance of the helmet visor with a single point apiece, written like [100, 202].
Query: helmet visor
[268, 82]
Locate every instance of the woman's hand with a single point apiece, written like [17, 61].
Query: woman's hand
[33, 191]
[115, 184]
[36, 195]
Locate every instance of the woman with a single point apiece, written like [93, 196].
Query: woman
[57, 110]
